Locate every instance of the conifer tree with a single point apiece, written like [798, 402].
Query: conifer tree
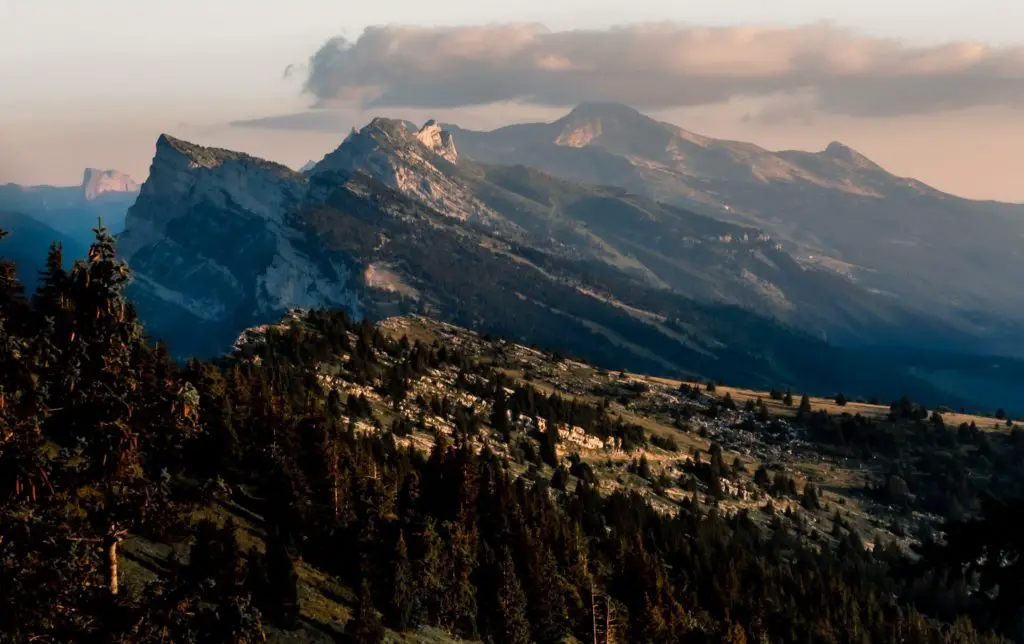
[12, 292]
[430, 570]
[282, 585]
[365, 625]
[402, 606]
[458, 606]
[547, 608]
[101, 404]
[513, 625]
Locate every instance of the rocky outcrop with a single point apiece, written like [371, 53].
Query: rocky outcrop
[97, 182]
[437, 140]
[213, 237]
[416, 163]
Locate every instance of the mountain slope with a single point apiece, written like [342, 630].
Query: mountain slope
[220, 241]
[944, 256]
[623, 236]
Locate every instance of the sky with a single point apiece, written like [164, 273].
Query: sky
[928, 88]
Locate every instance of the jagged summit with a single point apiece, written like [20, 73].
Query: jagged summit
[396, 133]
[438, 140]
[416, 162]
[392, 129]
[96, 182]
[390, 137]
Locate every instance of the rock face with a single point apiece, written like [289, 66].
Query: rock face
[213, 239]
[417, 163]
[97, 182]
[438, 141]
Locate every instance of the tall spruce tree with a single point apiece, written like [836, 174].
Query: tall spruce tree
[365, 627]
[282, 585]
[513, 625]
[402, 606]
[101, 405]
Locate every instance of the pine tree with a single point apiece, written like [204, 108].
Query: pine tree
[402, 607]
[548, 612]
[365, 625]
[549, 445]
[101, 406]
[430, 573]
[458, 605]
[12, 293]
[282, 585]
[513, 625]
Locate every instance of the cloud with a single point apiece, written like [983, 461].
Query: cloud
[803, 70]
[325, 120]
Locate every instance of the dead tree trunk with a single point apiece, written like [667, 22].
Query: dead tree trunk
[110, 546]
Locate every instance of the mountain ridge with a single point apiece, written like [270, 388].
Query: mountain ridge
[231, 241]
[834, 209]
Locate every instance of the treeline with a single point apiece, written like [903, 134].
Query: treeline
[105, 439]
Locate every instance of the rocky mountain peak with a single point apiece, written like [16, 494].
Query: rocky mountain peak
[407, 160]
[438, 140]
[96, 182]
[846, 154]
[394, 131]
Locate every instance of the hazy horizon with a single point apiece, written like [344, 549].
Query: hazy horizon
[939, 103]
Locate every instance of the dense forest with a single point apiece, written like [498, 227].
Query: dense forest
[104, 439]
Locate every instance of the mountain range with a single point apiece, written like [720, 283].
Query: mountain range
[398, 220]
[606, 234]
[68, 214]
[952, 259]
[39, 215]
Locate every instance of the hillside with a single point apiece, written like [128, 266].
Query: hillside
[664, 443]
[940, 255]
